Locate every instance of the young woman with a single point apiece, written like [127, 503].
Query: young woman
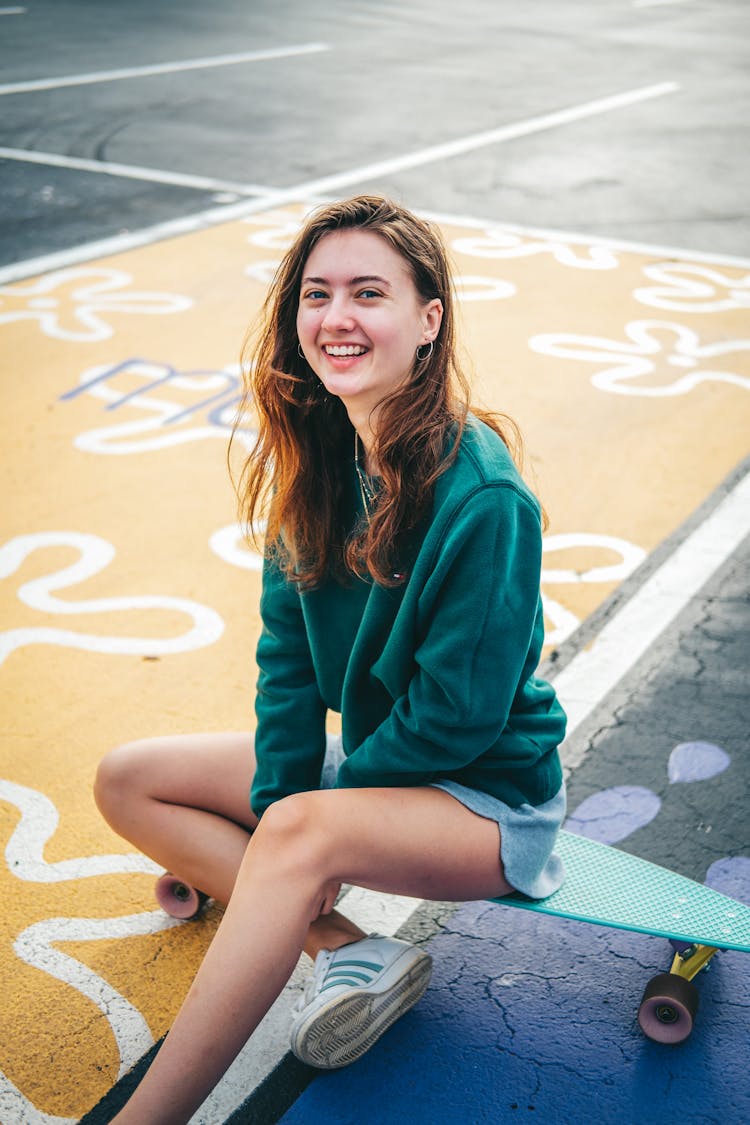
[401, 589]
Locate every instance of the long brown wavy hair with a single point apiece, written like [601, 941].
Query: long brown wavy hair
[296, 474]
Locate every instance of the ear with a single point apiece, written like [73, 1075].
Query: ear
[432, 318]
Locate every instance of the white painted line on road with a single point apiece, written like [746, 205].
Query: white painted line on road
[326, 184]
[489, 137]
[161, 68]
[12, 11]
[131, 171]
[624, 640]
[655, 3]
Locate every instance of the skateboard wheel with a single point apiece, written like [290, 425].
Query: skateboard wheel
[178, 899]
[668, 1008]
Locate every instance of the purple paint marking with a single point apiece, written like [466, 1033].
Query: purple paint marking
[106, 374]
[613, 814]
[731, 876]
[225, 398]
[696, 761]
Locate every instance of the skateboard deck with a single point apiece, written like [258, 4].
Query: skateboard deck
[609, 887]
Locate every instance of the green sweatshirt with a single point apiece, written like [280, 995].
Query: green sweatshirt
[433, 678]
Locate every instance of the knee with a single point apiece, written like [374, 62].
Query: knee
[293, 831]
[118, 779]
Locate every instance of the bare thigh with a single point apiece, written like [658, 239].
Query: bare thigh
[211, 772]
[420, 842]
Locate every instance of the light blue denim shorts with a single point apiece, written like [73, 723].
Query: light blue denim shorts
[527, 834]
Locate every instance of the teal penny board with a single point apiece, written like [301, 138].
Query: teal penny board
[609, 887]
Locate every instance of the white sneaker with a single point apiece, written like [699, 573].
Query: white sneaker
[354, 995]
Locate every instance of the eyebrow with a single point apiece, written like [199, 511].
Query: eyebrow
[353, 281]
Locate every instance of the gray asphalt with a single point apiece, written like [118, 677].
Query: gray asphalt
[398, 77]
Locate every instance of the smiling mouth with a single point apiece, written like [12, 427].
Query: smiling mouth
[344, 349]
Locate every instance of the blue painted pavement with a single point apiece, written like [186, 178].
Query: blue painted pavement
[535, 1018]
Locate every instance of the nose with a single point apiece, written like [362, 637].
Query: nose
[338, 316]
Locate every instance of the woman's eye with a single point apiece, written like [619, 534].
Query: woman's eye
[315, 295]
[368, 293]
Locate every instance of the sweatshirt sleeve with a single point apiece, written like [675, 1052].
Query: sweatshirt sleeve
[479, 612]
[290, 733]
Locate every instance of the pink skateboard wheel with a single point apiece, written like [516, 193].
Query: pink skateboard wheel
[177, 898]
[668, 1008]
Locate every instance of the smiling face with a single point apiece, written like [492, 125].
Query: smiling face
[360, 319]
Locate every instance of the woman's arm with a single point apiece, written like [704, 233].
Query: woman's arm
[290, 734]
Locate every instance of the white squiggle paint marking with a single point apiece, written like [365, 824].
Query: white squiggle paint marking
[473, 287]
[114, 440]
[264, 272]
[562, 619]
[34, 946]
[496, 243]
[16, 1109]
[96, 554]
[98, 290]
[24, 852]
[686, 287]
[625, 360]
[229, 544]
[278, 230]
[631, 556]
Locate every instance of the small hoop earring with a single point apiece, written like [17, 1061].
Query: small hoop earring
[300, 353]
[430, 348]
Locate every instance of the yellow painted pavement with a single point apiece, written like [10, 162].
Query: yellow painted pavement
[129, 605]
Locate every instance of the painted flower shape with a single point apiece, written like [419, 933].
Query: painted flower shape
[502, 242]
[76, 304]
[688, 287]
[650, 347]
[561, 620]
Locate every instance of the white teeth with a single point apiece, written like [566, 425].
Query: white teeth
[344, 349]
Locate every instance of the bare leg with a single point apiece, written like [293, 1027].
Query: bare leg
[185, 802]
[418, 842]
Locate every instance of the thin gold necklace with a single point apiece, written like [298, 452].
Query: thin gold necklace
[365, 488]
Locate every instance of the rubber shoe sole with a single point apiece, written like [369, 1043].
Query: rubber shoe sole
[344, 1029]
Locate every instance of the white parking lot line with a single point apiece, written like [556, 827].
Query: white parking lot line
[624, 640]
[131, 172]
[160, 68]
